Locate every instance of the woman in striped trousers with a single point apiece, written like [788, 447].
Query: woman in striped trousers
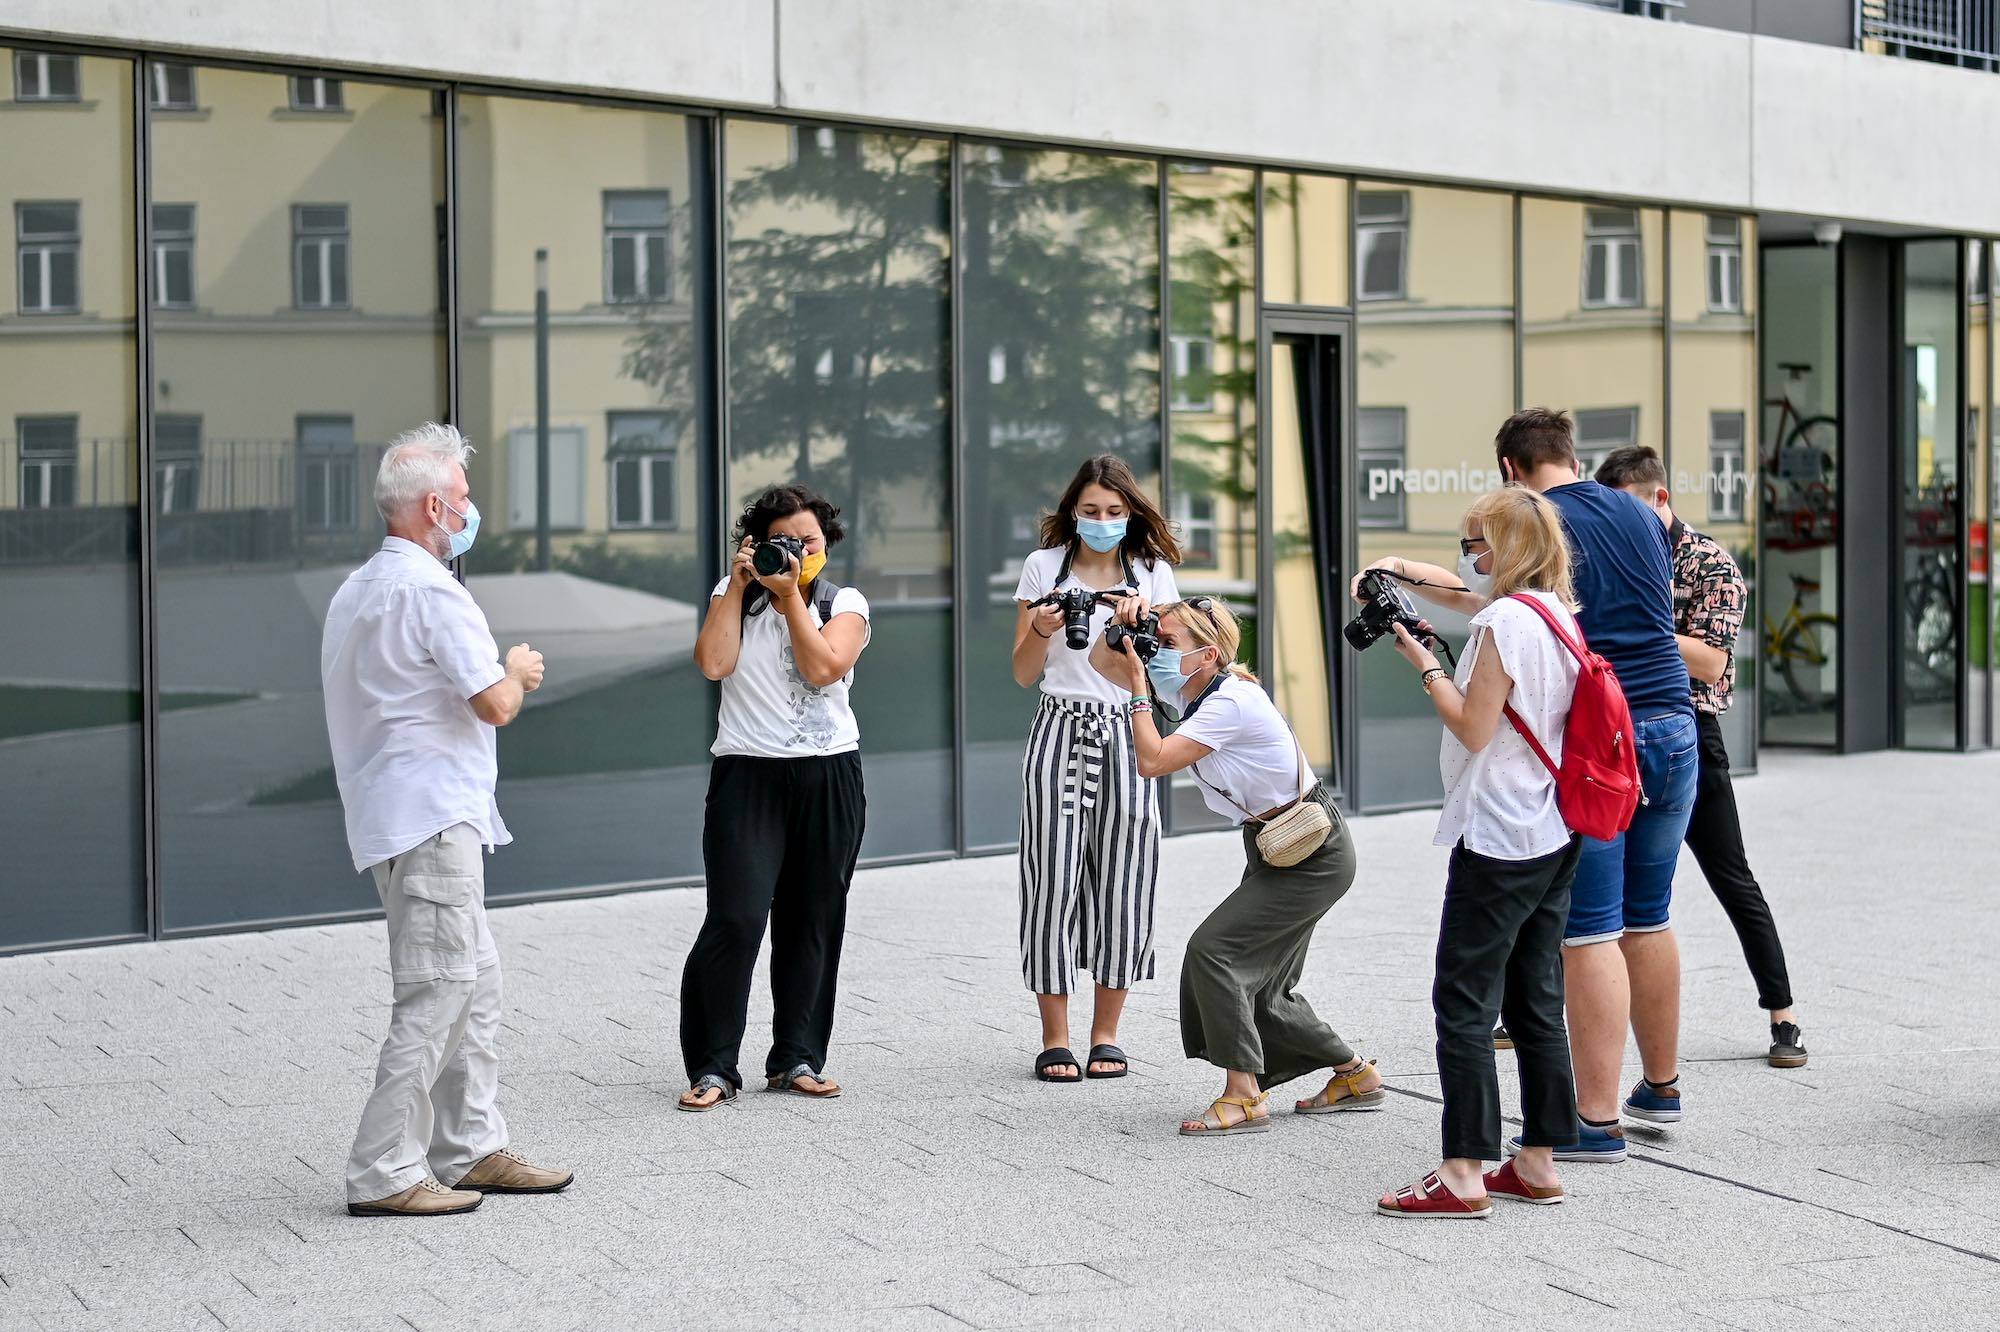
[1090, 824]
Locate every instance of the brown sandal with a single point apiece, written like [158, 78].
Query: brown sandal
[1211, 1118]
[1360, 1088]
[789, 1082]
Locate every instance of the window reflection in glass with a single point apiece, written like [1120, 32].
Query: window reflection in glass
[1422, 455]
[1059, 254]
[1711, 456]
[602, 777]
[1305, 239]
[839, 318]
[1977, 492]
[310, 337]
[1932, 614]
[70, 757]
[1212, 322]
[1798, 503]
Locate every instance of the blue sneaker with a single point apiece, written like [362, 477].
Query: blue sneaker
[1655, 1105]
[1592, 1144]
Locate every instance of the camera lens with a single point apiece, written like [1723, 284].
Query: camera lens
[768, 559]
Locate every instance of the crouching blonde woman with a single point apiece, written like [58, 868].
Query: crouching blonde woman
[1513, 859]
[1240, 1008]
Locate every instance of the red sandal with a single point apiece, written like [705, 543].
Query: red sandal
[1432, 1199]
[1506, 1182]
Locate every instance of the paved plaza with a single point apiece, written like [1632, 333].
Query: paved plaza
[174, 1118]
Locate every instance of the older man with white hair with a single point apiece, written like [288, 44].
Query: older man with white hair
[414, 689]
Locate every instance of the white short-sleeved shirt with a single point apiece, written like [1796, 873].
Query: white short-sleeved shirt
[768, 709]
[1066, 672]
[1256, 762]
[1502, 800]
[404, 650]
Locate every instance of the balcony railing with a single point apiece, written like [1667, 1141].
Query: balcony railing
[1952, 31]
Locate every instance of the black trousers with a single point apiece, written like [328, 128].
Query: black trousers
[1500, 952]
[1715, 835]
[779, 840]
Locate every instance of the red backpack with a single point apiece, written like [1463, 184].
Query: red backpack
[1597, 786]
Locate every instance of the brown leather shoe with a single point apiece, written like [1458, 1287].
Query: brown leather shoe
[507, 1171]
[427, 1197]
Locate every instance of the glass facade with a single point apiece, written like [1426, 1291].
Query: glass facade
[72, 842]
[1798, 477]
[640, 316]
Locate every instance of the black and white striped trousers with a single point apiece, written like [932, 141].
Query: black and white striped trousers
[1090, 849]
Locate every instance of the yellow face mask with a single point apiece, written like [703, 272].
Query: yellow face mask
[810, 566]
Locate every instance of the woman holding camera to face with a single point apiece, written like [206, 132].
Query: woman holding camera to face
[1513, 858]
[1239, 1008]
[785, 803]
[1090, 821]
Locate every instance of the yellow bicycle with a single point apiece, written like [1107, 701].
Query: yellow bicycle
[1802, 644]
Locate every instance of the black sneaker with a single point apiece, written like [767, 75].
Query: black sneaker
[1788, 1047]
[1501, 1040]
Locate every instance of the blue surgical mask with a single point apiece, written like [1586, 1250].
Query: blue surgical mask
[1165, 668]
[1101, 534]
[461, 540]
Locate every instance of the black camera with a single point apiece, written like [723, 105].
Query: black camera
[768, 556]
[1077, 605]
[1144, 636]
[1383, 606]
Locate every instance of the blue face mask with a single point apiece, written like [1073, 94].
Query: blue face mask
[461, 540]
[1165, 668]
[1101, 535]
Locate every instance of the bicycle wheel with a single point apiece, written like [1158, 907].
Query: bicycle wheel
[1803, 654]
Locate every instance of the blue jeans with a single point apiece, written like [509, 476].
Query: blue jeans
[1627, 883]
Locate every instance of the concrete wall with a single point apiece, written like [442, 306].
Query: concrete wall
[1511, 92]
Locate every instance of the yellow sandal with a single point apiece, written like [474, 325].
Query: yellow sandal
[1360, 1088]
[1211, 1118]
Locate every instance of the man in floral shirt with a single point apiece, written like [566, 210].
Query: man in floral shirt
[1709, 597]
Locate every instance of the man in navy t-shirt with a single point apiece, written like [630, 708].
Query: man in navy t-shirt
[1621, 962]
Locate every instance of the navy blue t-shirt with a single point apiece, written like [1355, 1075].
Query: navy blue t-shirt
[1625, 579]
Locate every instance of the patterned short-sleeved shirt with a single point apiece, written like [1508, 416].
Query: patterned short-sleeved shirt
[1708, 605]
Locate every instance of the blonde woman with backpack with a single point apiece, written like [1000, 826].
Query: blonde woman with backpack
[1513, 856]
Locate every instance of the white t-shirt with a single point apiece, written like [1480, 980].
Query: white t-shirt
[768, 710]
[1067, 673]
[404, 650]
[1256, 760]
[1502, 800]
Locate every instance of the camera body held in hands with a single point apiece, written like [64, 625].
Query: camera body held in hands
[1144, 636]
[1077, 604]
[768, 557]
[1383, 606]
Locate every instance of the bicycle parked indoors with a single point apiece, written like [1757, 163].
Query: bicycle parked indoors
[1801, 646]
[1798, 491]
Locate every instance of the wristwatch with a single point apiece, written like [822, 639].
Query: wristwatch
[1433, 675]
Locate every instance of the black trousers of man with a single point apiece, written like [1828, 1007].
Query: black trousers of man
[1715, 835]
[779, 840]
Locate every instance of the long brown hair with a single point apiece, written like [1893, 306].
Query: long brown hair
[1211, 625]
[1530, 553]
[1147, 536]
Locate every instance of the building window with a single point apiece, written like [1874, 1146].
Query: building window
[1382, 243]
[636, 254]
[48, 461]
[1009, 166]
[1610, 257]
[173, 256]
[170, 87]
[176, 463]
[319, 256]
[643, 462]
[48, 236]
[824, 141]
[1725, 265]
[1727, 481]
[41, 76]
[1194, 514]
[1194, 373]
[1600, 430]
[311, 92]
[326, 473]
[1383, 453]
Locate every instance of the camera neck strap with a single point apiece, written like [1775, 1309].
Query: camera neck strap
[822, 588]
[1069, 558]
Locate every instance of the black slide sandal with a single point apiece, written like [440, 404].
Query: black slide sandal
[1107, 1054]
[1056, 1058]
